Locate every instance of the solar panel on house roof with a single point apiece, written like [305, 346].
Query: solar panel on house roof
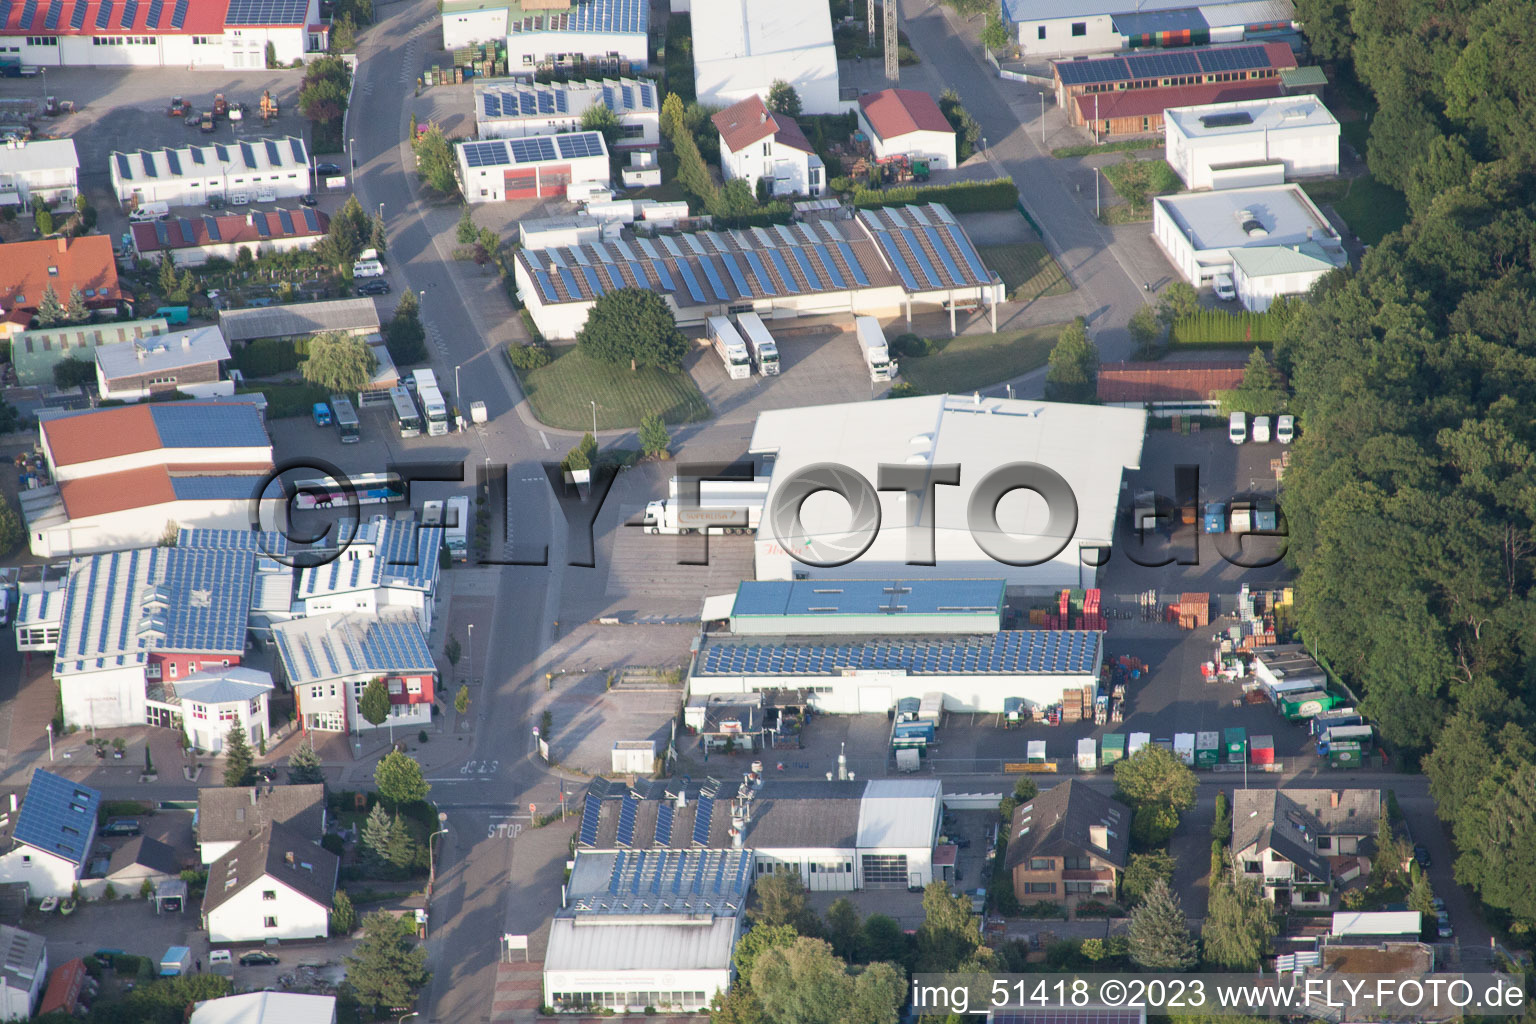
[197, 154]
[670, 244]
[147, 159]
[103, 13]
[179, 13]
[185, 226]
[807, 268]
[266, 12]
[172, 161]
[647, 98]
[162, 234]
[761, 272]
[273, 156]
[581, 145]
[311, 221]
[259, 221]
[130, 10]
[286, 220]
[578, 255]
[546, 286]
[248, 155]
[211, 226]
[1226, 120]
[123, 170]
[297, 146]
[629, 96]
[58, 816]
[221, 151]
[490, 104]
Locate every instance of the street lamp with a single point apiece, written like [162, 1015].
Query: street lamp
[350, 154]
[458, 397]
[413, 1013]
[471, 652]
[594, 418]
[50, 741]
[442, 819]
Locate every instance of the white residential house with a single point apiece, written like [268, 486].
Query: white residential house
[213, 701]
[275, 885]
[758, 144]
[47, 169]
[23, 972]
[1304, 845]
[50, 842]
[905, 122]
[189, 362]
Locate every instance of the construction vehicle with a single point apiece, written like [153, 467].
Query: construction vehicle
[268, 106]
[50, 106]
[206, 125]
[236, 113]
[220, 106]
[179, 107]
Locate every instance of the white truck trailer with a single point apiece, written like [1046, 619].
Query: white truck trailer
[765, 351]
[730, 347]
[725, 506]
[877, 355]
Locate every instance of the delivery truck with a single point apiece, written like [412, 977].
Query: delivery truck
[765, 351]
[724, 506]
[877, 355]
[729, 346]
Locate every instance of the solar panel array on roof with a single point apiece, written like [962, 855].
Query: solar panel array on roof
[664, 813]
[266, 12]
[531, 150]
[197, 155]
[155, 7]
[273, 156]
[186, 229]
[627, 814]
[1012, 652]
[172, 160]
[297, 147]
[248, 155]
[485, 154]
[311, 220]
[103, 13]
[286, 220]
[55, 12]
[697, 882]
[704, 809]
[179, 14]
[591, 817]
[123, 170]
[148, 161]
[211, 226]
[130, 10]
[1162, 64]
[77, 17]
[162, 234]
[259, 222]
[58, 816]
[763, 280]
[28, 12]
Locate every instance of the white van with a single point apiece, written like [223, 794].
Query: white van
[1224, 288]
[367, 268]
[148, 212]
[1261, 429]
[1237, 427]
[1285, 429]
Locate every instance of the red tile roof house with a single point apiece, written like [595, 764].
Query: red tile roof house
[755, 143]
[192, 241]
[1170, 388]
[905, 122]
[28, 268]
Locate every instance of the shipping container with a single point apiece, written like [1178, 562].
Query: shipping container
[1345, 755]
[1184, 746]
[1262, 750]
[1235, 742]
[1337, 716]
[1113, 746]
[1265, 516]
[907, 709]
[907, 730]
[1215, 517]
[1136, 741]
[931, 707]
[1207, 749]
[1087, 759]
[1296, 706]
[1034, 752]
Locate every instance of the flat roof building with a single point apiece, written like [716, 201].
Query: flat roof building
[510, 109]
[808, 608]
[1214, 145]
[189, 361]
[585, 36]
[44, 169]
[535, 167]
[189, 175]
[741, 47]
[35, 353]
[301, 319]
[1049, 27]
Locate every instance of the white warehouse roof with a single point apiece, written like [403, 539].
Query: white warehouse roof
[41, 155]
[1237, 217]
[1275, 113]
[725, 29]
[899, 813]
[637, 946]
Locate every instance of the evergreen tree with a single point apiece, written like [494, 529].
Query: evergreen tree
[1159, 937]
[12, 532]
[78, 312]
[1143, 870]
[842, 928]
[387, 967]
[1262, 391]
[461, 699]
[400, 848]
[379, 238]
[44, 220]
[50, 311]
[167, 281]
[583, 455]
[239, 762]
[374, 838]
[304, 766]
[654, 439]
[1072, 374]
[1421, 897]
[343, 914]
[185, 287]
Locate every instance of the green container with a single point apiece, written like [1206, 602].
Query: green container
[1299, 706]
[1345, 755]
[1207, 749]
[1114, 747]
[1235, 743]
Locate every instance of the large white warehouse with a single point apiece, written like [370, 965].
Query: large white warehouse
[609, 36]
[1080, 451]
[741, 47]
[189, 175]
[1220, 145]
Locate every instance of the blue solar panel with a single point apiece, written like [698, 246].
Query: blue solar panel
[714, 279]
[570, 283]
[297, 148]
[921, 257]
[561, 103]
[777, 258]
[130, 10]
[763, 280]
[831, 267]
[28, 12]
[627, 813]
[211, 226]
[179, 14]
[647, 247]
[602, 252]
[546, 286]
[591, 816]
[736, 275]
[591, 276]
[77, 17]
[660, 269]
[197, 154]
[266, 12]
[807, 268]
[286, 220]
[670, 244]
[853, 264]
[259, 221]
[172, 161]
[968, 253]
[248, 155]
[647, 98]
[58, 816]
[123, 170]
[209, 426]
[273, 156]
[55, 12]
[703, 811]
[580, 145]
[664, 824]
[531, 150]
[937, 242]
[526, 104]
[691, 281]
[148, 161]
[153, 19]
[103, 13]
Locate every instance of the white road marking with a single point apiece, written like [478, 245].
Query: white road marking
[544, 439]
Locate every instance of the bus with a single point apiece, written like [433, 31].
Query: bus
[405, 411]
[346, 419]
[327, 492]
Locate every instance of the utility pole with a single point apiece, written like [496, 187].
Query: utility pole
[869, 22]
[892, 64]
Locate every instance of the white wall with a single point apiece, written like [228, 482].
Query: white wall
[788, 169]
[284, 183]
[706, 981]
[1178, 248]
[1098, 36]
[1256, 293]
[462, 28]
[874, 692]
[254, 456]
[373, 599]
[812, 70]
[142, 527]
[649, 123]
[46, 874]
[242, 918]
[196, 257]
[525, 50]
[18, 1003]
[1305, 151]
[488, 184]
[108, 699]
[53, 185]
[208, 733]
[818, 880]
[937, 147]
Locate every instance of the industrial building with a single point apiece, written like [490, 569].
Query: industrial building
[1049, 27]
[1272, 240]
[163, 33]
[584, 36]
[189, 362]
[120, 475]
[644, 929]
[508, 109]
[905, 122]
[1140, 111]
[34, 354]
[191, 242]
[1251, 64]
[189, 175]
[883, 262]
[840, 834]
[1171, 388]
[537, 167]
[759, 145]
[327, 660]
[1255, 142]
[1087, 447]
[741, 47]
[45, 169]
[357, 317]
[835, 607]
[29, 269]
[384, 563]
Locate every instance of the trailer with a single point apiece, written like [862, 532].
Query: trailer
[907, 709]
[1136, 741]
[764, 350]
[1184, 746]
[931, 708]
[729, 346]
[914, 730]
[724, 506]
[1297, 706]
[1266, 517]
[1034, 752]
[1215, 517]
[175, 962]
[908, 759]
[1207, 749]
[1087, 759]
[1364, 735]
[1320, 724]
[1014, 710]
[1113, 747]
[1262, 750]
[1346, 755]
[456, 528]
[1234, 741]
[877, 354]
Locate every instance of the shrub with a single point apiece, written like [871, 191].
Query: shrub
[422, 737]
[1217, 327]
[914, 346]
[334, 843]
[960, 197]
[528, 358]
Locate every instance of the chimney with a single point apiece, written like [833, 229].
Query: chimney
[1333, 798]
[253, 796]
[1098, 835]
[138, 352]
[63, 245]
[186, 341]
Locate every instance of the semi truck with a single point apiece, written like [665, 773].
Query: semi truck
[877, 354]
[729, 346]
[765, 351]
[725, 506]
[433, 406]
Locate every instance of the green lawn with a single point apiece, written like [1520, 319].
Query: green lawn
[560, 393]
[1137, 181]
[288, 398]
[1027, 270]
[974, 361]
[1121, 146]
[1372, 210]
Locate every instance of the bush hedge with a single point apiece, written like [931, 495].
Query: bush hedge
[960, 197]
[913, 346]
[267, 357]
[529, 357]
[1217, 327]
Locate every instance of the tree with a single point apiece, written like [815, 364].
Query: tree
[374, 838]
[1238, 925]
[1154, 775]
[1072, 375]
[345, 237]
[948, 936]
[77, 311]
[304, 766]
[323, 93]
[1221, 820]
[452, 650]
[404, 335]
[634, 326]
[737, 1005]
[185, 287]
[967, 129]
[1178, 301]
[71, 373]
[783, 99]
[378, 238]
[167, 281]
[12, 532]
[340, 363]
[995, 35]
[399, 781]
[239, 762]
[655, 441]
[1145, 330]
[757, 940]
[1024, 790]
[50, 311]
[1152, 825]
[599, 117]
[435, 162]
[461, 699]
[465, 231]
[582, 456]
[343, 33]
[882, 938]
[1159, 933]
[781, 901]
[842, 928]
[1142, 871]
[401, 849]
[1262, 391]
[343, 914]
[806, 984]
[387, 968]
[1421, 897]
[44, 221]
[244, 261]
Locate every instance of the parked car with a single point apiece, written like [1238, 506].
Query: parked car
[374, 287]
[308, 200]
[121, 827]
[257, 958]
[1446, 932]
[1285, 429]
[1439, 905]
[326, 170]
[1421, 854]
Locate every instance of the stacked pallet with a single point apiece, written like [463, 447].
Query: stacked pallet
[1194, 610]
[1071, 706]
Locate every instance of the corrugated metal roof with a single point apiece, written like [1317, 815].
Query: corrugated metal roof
[1012, 652]
[868, 597]
[638, 947]
[343, 645]
[900, 813]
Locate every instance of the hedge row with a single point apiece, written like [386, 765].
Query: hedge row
[960, 197]
[267, 357]
[1217, 327]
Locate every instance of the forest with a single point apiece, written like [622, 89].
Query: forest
[1411, 499]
